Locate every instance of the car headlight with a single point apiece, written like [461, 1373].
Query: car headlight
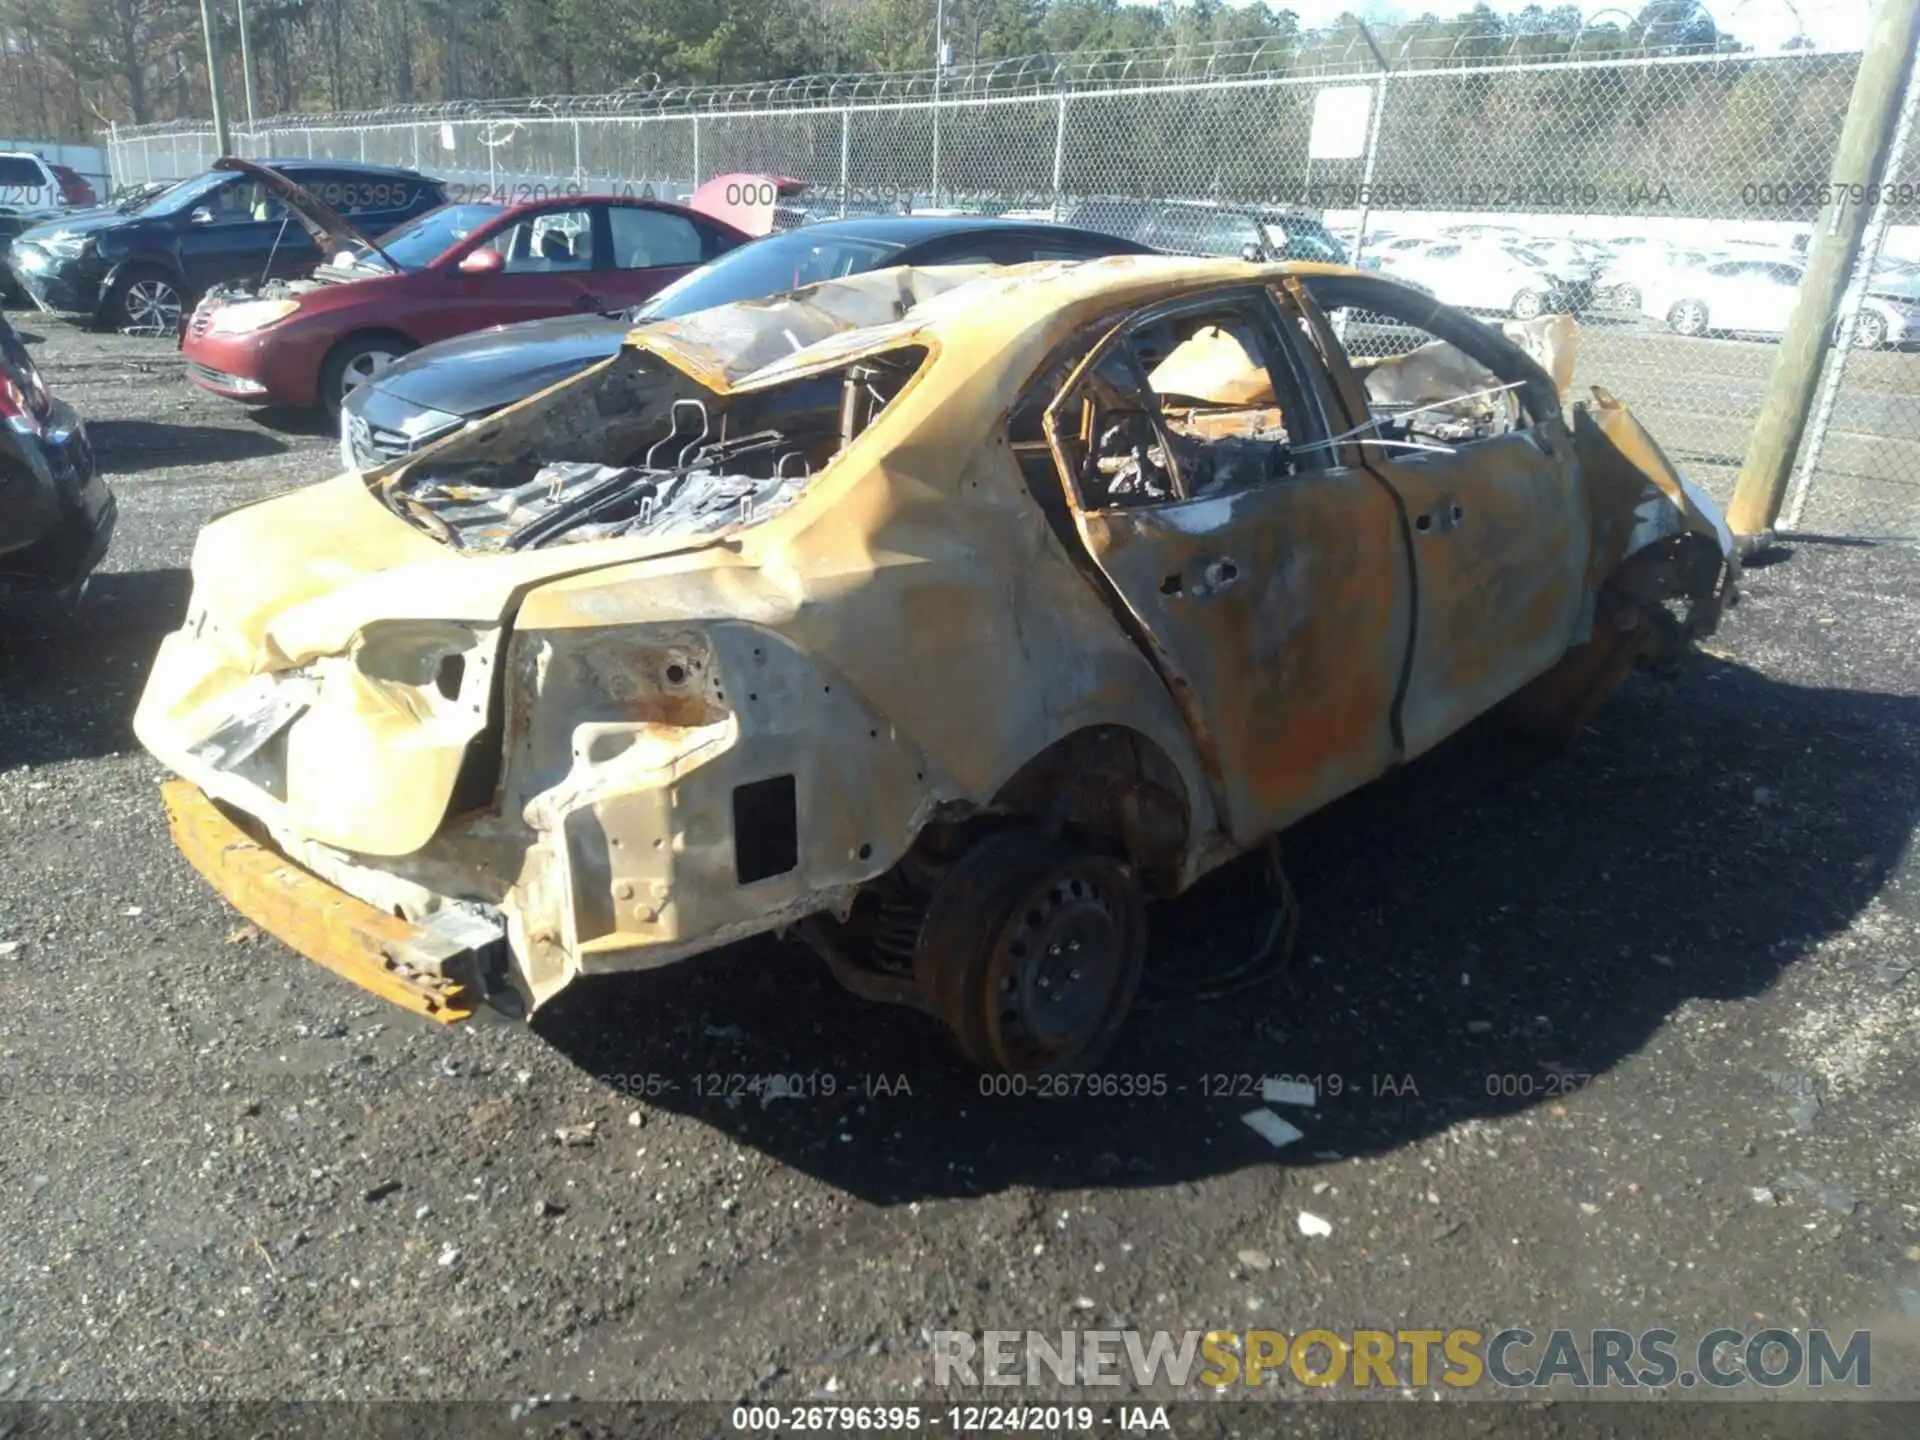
[250, 315]
[63, 243]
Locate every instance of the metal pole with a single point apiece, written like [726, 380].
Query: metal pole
[1059, 153]
[220, 135]
[696, 152]
[1376, 121]
[939, 69]
[846, 146]
[1873, 115]
[246, 62]
[1856, 297]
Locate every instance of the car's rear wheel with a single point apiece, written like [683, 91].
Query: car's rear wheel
[1627, 297]
[1031, 953]
[1869, 330]
[354, 362]
[145, 302]
[1528, 305]
[1687, 317]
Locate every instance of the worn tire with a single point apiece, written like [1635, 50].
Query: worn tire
[142, 299]
[364, 354]
[1031, 953]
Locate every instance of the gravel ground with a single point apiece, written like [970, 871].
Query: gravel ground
[1622, 1040]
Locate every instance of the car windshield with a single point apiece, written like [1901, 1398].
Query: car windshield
[422, 240]
[768, 267]
[179, 196]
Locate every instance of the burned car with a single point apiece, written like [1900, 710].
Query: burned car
[941, 617]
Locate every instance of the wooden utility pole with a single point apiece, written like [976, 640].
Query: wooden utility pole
[1859, 162]
[220, 134]
[246, 63]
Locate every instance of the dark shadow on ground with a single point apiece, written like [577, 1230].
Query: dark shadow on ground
[127, 447]
[287, 420]
[1477, 935]
[70, 678]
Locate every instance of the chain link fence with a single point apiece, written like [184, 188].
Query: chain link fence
[1699, 167]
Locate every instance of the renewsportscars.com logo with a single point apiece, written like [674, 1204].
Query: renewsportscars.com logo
[1510, 1359]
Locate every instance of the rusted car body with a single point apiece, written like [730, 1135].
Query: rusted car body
[945, 616]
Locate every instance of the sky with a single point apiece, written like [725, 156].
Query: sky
[1764, 24]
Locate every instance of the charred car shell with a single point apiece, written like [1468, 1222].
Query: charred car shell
[951, 613]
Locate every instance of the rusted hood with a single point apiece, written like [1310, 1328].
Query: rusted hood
[1645, 499]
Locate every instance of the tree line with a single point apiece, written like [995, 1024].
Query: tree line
[68, 68]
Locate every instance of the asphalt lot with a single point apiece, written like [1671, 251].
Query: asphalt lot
[1626, 1039]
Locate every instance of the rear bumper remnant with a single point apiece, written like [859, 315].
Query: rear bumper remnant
[414, 966]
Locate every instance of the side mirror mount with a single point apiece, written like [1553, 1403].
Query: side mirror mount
[481, 262]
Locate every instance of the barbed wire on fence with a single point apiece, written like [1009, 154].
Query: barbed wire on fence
[1608, 33]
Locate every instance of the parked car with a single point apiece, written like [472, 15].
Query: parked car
[941, 617]
[1124, 216]
[12, 222]
[1757, 297]
[1634, 271]
[28, 183]
[1490, 277]
[1485, 230]
[452, 271]
[1397, 247]
[424, 396]
[75, 189]
[1890, 311]
[56, 510]
[1581, 259]
[1245, 232]
[30, 190]
[1752, 296]
[138, 266]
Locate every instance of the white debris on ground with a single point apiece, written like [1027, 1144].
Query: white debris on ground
[1271, 1128]
[1287, 1092]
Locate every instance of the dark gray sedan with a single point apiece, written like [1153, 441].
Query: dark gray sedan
[437, 389]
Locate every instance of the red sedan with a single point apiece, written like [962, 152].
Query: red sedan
[457, 269]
